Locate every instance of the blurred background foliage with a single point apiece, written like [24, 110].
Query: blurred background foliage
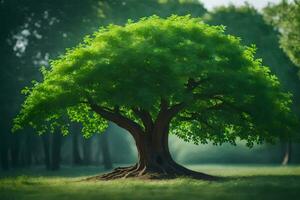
[33, 32]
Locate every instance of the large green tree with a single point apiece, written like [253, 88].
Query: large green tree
[285, 16]
[32, 32]
[257, 31]
[159, 76]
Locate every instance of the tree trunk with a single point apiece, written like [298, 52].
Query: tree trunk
[105, 151]
[87, 151]
[4, 151]
[75, 146]
[287, 153]
[46, 146]
[5, 125]
[28, 150]
[15, 151]
[56, 148]
[155, 161]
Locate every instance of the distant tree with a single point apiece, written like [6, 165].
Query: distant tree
[52, 150]
[285, 16]
[75, 144]
[30, 32]
[118, 12]
[46, 145]
[106, 156]
[256, 31]
[157, 76]
[56, 151]
[10, 17]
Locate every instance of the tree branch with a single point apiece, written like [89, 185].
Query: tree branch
[192, 83]
[145, 117]
[175, 109]
[122, 121]
[164, 117]
[167, 113]
[232, 106]
[197, 117]
[164, 104]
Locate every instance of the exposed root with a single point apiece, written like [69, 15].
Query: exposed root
[159, 172]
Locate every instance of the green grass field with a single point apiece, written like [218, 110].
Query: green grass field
[241, 182]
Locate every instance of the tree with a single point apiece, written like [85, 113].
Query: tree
[46, 145]
[285, 16]
[117, 12]
[268, 49]
[106, 157]
[32, 32]
[23, 25]
[75, 145]
[156, 76]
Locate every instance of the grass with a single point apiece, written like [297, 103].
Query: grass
[241, 182]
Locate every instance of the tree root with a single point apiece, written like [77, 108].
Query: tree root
[158, 172]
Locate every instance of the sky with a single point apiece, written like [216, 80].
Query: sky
[209, 4]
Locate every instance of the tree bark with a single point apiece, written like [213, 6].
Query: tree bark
[155, 160]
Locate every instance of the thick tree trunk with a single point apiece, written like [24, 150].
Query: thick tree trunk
[155, 161]
[287, 153]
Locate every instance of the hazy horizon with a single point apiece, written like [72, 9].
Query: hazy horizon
[259, 4]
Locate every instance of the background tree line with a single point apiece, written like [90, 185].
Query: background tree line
[32, 32]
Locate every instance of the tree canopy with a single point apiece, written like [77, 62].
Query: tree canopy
[285, 16]
[268, 47]
[221, 90]
[32, 32]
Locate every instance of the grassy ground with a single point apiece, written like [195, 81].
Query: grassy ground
[241, 182]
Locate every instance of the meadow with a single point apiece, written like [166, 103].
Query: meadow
[239, 182]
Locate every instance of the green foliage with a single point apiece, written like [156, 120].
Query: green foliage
[118, 12]
[91, 121]
[227, 92]
[267, 43]
[285, 16]
[254, 25]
